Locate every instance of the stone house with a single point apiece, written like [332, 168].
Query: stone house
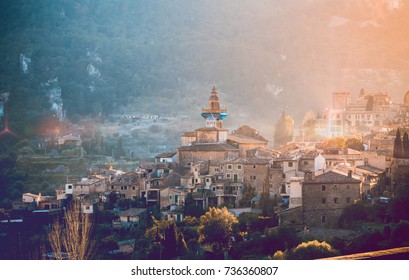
[311, 162]
[166, 157]
[127, 185]
[205, 152]
[246, 138]
[89, 185]
[325, 196]
[172, 196]
[129, 218]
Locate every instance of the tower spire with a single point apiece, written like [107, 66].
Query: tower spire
[214, 115]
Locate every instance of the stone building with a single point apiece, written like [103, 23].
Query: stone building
[127, 185]
[325, 196]
[246, 138]
[209, 142]
[90, 185]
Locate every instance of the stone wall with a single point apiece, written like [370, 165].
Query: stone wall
[323, 203]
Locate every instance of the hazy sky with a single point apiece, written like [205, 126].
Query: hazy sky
[165, 56]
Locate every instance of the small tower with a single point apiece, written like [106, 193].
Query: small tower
[214, 115]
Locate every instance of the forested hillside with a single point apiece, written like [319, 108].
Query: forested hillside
[85, 57]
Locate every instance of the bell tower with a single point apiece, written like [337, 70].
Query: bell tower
[214, 115]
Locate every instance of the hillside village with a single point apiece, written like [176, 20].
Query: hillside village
[306, 185]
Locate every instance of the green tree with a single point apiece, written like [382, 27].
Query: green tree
[191, 209]
[405, 145]
[267, 204]
[308, 124]
[334, 142]
[399, 204]
[248, 193]
[166, 234]
[400, 235]
[283, 130]
[354, 143]
[216, 229]
[397, 146]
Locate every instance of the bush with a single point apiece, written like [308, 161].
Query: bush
[400, 235]
[308, 251]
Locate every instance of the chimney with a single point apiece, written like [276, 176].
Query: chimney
[308, 176]
[350, 173]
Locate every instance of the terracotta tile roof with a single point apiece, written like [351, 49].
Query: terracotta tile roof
[133, 212]
[370, 168]
[208, 147]
[250, 161]
[332, 177]
[249, 133]
[211, 129]
[242, 139]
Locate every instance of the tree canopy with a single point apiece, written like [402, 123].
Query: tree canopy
[216, 229]
[283, 130]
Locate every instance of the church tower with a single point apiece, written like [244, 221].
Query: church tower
[214, 115]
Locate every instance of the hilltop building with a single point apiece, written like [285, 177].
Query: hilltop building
[209, 142]
[369, 112]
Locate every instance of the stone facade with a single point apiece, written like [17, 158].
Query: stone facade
[291, 217]
[128, 185]
[205, 152]
[325, 196]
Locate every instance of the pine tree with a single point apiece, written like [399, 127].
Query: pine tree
[405, 145]
[397, 147]
[283, 130]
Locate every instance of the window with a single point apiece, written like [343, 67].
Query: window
[239, 166]
[324, 200]
[229, 167]
[87, 207]
[228, 175]
[170, 197]
[290, 164]
[133, 188]
[69, 187]
[305, 162]
[283, 176]
[323, 188]
[196, 180]
[348, 200]
[112, 187]
[254, 166]
[207, 180]
[282, 189]
[323, 219]
[336, 200]
[335, 187]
